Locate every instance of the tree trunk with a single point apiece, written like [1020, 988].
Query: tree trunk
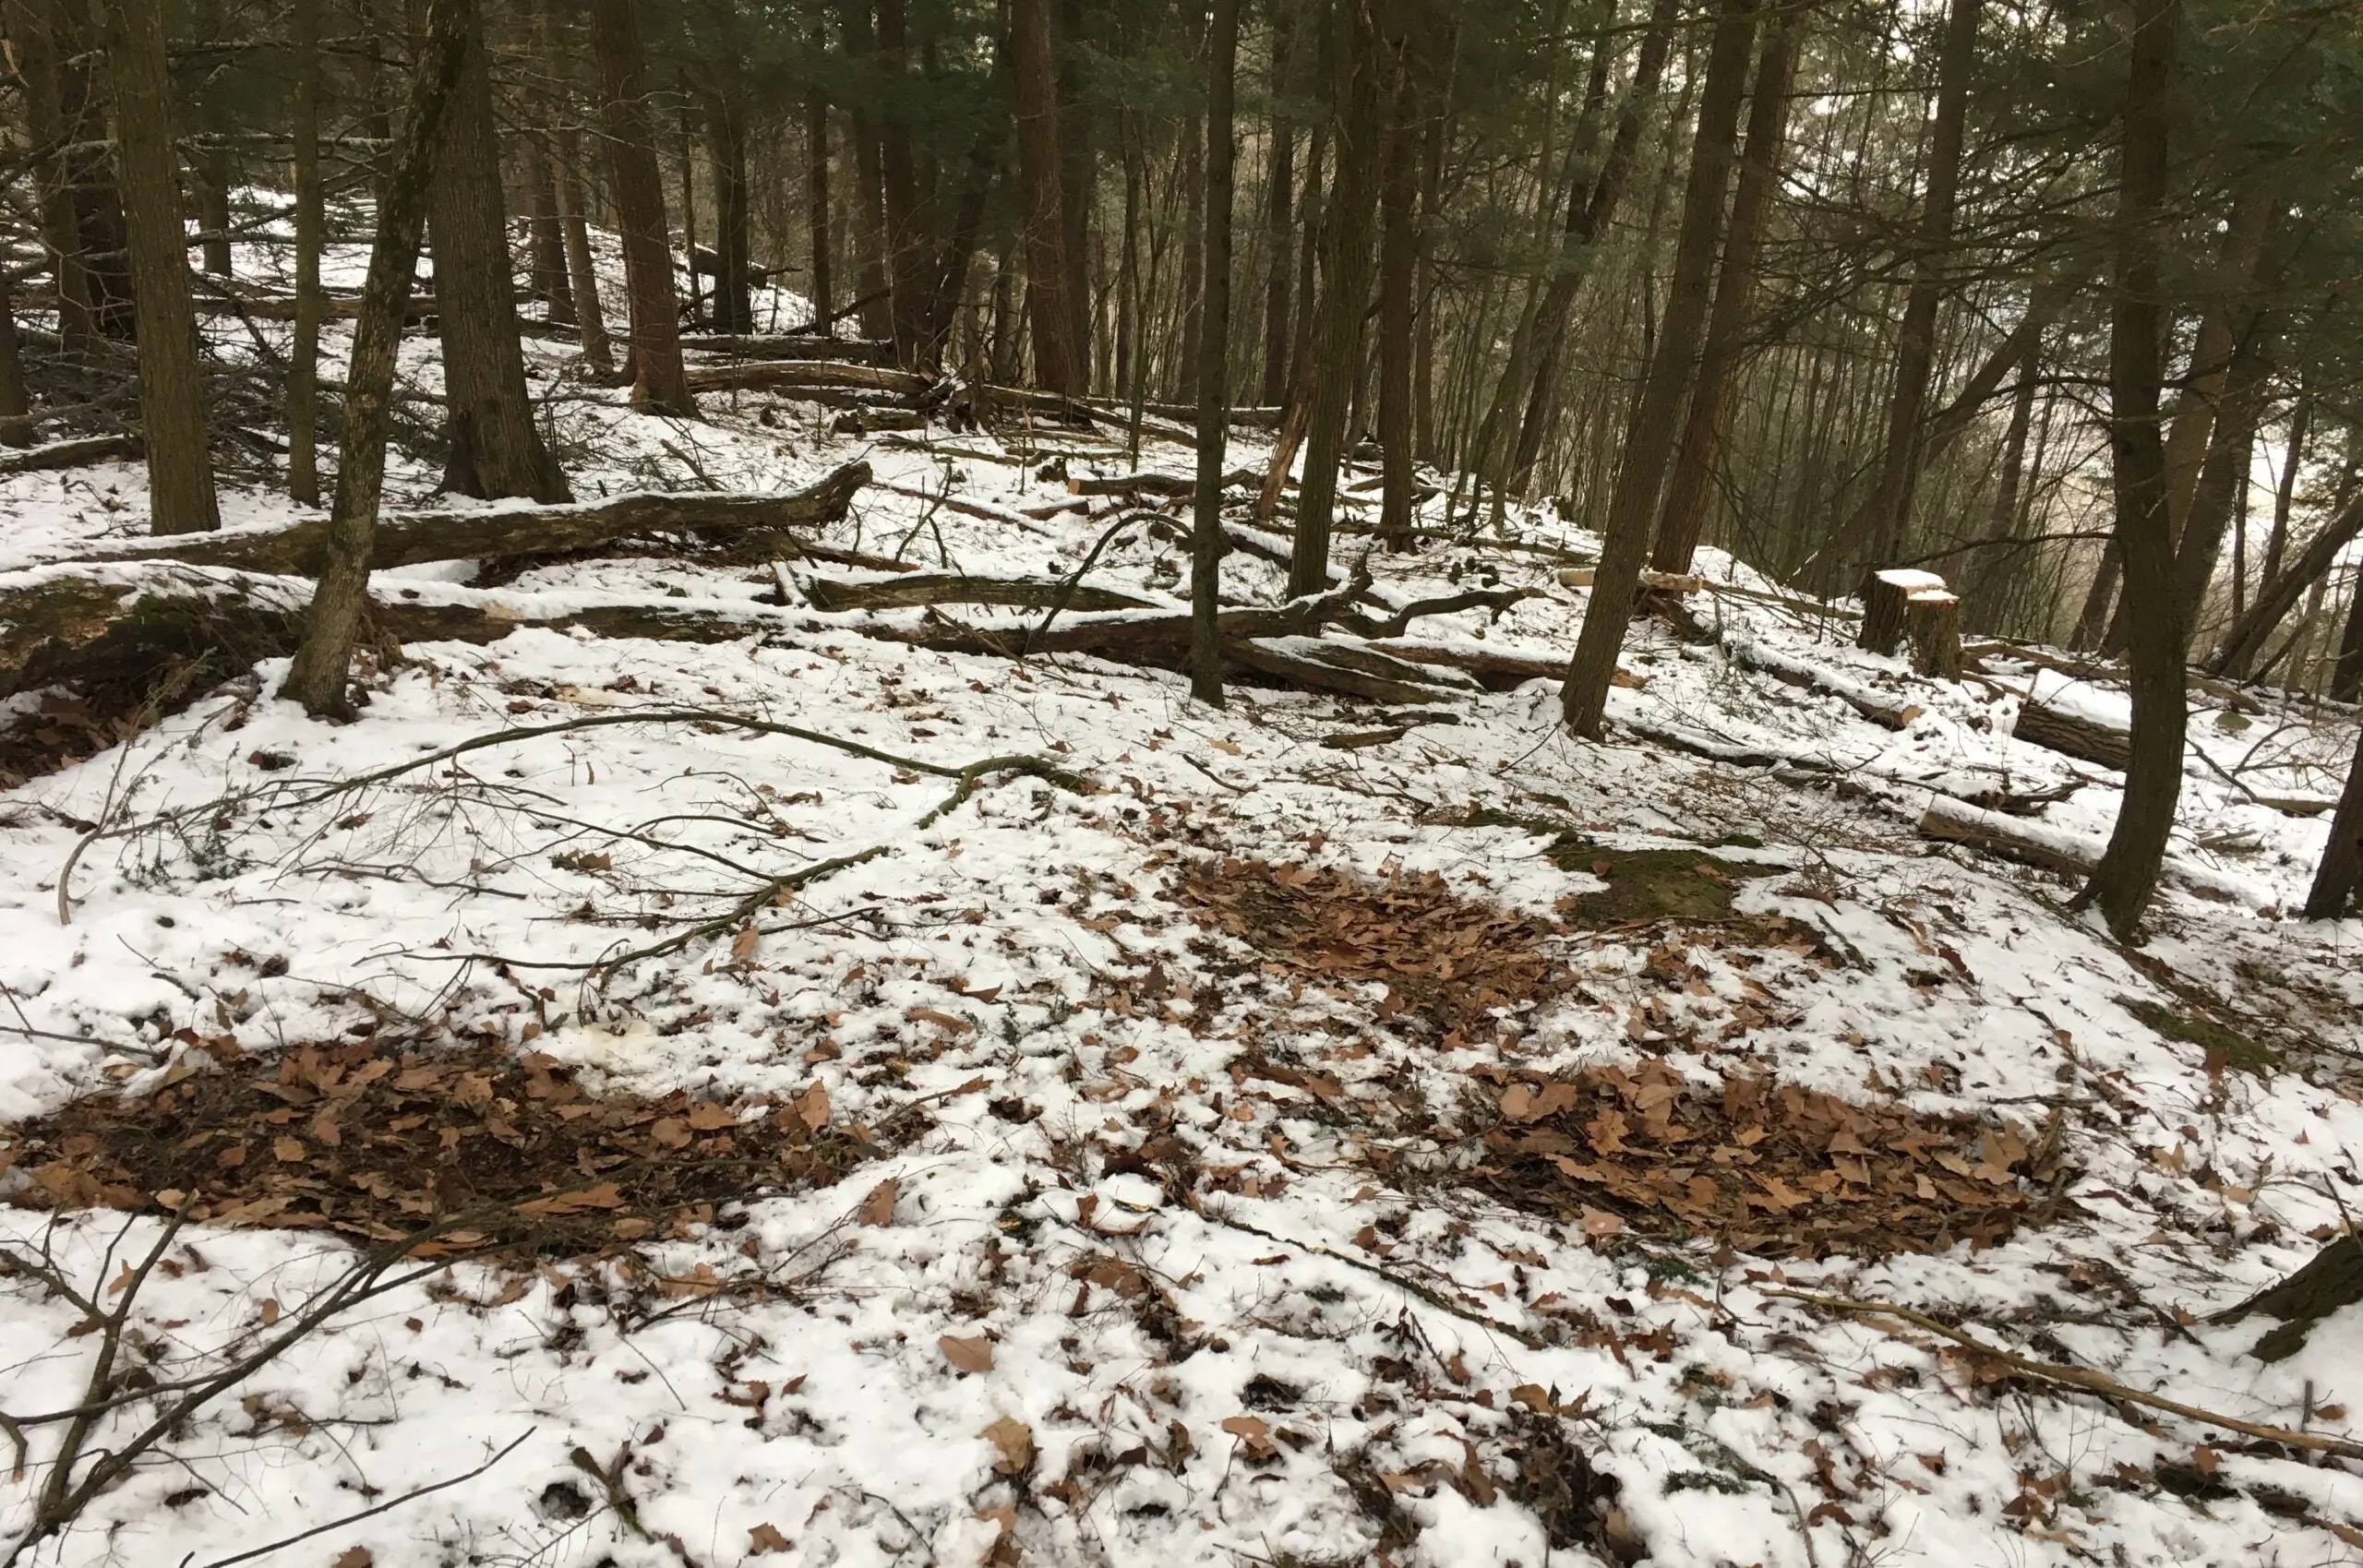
[37, 67]
[2279, 594]
[17, 429]
[658, 383]
[1988, 574]
[102, 234]
[1278, 222]
[1684, 522]
[2223, 477]
[2190, 428]
[910, 275]
[816, 207]
[311, 232]
[583, 278]
[1335, 365]
[1049, 269]
[546, 236]
[734, 233]
[1214, 355]
[1193, 281]
[2347, 676]
[1075, 173]
[171, 380]
[1649, 433]
[1589, 216]
[1398, 261]
[317, 678]
[1916, 337]
[213, 169]
[2127, 875]
[1423, 355]
[495, 450]
[2340, 871]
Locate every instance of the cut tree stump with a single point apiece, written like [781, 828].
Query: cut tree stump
[2073, 734]
[1932, 625]
[1887, 593]
[410, 538]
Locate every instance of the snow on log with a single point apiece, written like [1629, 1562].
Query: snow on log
[791, 376]
[2073, 734]
[411, 537]
[2073, 855]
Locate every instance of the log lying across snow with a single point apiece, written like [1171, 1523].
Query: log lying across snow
[70, 453]
[794, 346]
[2054, 849]
[2073, 734]
[408, 538]
[799, 376]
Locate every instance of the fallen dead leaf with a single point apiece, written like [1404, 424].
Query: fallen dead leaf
[1015, 1440]
[355, 1557]
[968, 1355]
[1254, 1430]
[878, 1208]
[766, 1538]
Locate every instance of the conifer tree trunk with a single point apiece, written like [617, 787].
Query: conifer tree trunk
[2340, 871]
[909, 275]
[1048, 266]
[734, 234]
[14, 405]
[1347, 219]
[303, 357]
[1423, 356]
[496, 449]
[2122, 884]
[659, 383]
[317, 677]
[1397, 263]
[545, 234]
[816, 207]
[30, 41]
[1193, 186]
[574, 227]
[2347, 676]
[1649, 433]
[102, 234]
[171, 380]
[1708, 419]
[1278, 223]
[1587, 218]
[1076, 170]
[214, 173]
[1213, 353]
[1916, 337]
[2224, 474]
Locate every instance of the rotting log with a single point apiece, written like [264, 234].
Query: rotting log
[2073, 734]
[71, 452]
[1879, 709]
[1990, 834]
[791, 346]
[958, 588]
[764, 376]
[410, 538]
[1496, 669]
[1344, 668]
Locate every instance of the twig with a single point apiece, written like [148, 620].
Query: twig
[2078, 1377]
[1437, 1300]
[410, 1496]
[1068, 584]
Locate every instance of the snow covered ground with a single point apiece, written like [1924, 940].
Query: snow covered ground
[1167, 1243]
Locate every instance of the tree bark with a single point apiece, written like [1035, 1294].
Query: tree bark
[1214, 360]
[2122, 885]
[1347, 221]
[317, 677]
[2347, 676]
[1684, 521]
[1280, 178]
[2279, 594]
[171, 380]
[1398, 261]
[545, 236]
[1049, 269]
[101, 232]
[911, 276]
[2224, 476]
[2340, 871]
[583, 278]
[816, 207]
[658, 384]
[1589, 216]
[1651, 431]
[35, 51]
[311, 232]
[18, 430]
[495, 450]
[1076, 167]
[212, 167]
[1916, 337]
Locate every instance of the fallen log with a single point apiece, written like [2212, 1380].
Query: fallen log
[1352, 671]
[2054, 849]
[1656, 581]
[958, 588]
[1496, 669]
[71, 453]
[2073, 734]
[793, 346]
[807, 374]
[409, 538]
[1879, 709]
[1174, 485]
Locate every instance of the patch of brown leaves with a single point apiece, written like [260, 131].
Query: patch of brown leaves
[380, 1147]
[1769, 1167]
[1442, 957]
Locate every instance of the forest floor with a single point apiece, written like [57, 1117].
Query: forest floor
[1218, 1143]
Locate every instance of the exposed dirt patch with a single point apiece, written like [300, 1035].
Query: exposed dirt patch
[1445, 958]
[1686, 885]
[1767, 1167]
[358, 1140]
